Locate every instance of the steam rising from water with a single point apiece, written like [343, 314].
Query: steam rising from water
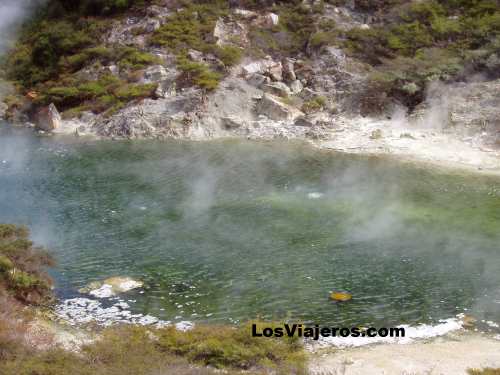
[227, 230]
[12, 14]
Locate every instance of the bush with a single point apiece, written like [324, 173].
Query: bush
[229, 55]
[313, 105]
[136, 350]
[198, 74]
[22, 266]
[223, 346]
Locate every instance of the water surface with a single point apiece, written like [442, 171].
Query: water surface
[227, 231]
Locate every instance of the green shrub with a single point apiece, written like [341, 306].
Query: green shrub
[229, 55]
[26, 279]
[130, 57]
[130, 91]
[135, 350]
[198, 73]
[223, 346]
[5, 264]
[313, 105]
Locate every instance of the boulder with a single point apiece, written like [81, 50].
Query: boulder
[267, 20]
[259, 66]
[155, 73]
[296, 86]
[257, 80]
[48, 118]
[289, 70]
[277, 88]
[303, 121]
[195, 55]
[230, 33]
[166, 89]
[111, 287]
[231, 122]
[271, 107]
[275, 71]
[245, 14]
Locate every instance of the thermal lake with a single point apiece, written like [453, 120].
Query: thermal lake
[227, 231]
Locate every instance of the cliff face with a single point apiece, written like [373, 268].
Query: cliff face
[259, 69]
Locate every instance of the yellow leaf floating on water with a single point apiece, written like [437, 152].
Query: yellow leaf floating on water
[340, 296]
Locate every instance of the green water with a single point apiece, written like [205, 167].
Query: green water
[227, 231]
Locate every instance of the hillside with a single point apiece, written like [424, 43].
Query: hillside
[262, 69]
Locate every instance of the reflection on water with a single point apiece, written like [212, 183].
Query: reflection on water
[227, 230]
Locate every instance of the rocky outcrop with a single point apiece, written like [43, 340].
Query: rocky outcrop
[469, 110]
[277, 88]
[231, 32]
[273, 108]
[48, 118]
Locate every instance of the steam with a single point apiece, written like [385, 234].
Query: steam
[12, 14]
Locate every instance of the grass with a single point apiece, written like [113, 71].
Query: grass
[138, 350]
[486, 371]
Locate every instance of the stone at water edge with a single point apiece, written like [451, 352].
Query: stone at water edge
[111, 286]
[340, 296]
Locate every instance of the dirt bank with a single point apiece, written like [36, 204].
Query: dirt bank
[449, 355]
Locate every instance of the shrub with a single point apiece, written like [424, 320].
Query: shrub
[223, 346]
[229, 55]
[313, 105]
[22, 266]
[198, 73]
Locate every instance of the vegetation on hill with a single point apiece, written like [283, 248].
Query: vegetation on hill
[22, 275]
[408, 45]
[419, 42]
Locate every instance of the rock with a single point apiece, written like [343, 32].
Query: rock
[277, 88]
[152, 25]
[166, 89]
[268, 20]
[256, 80]
[468, 321]
[3, 110]
[273, 108]
[48, 118]
[230, 33]
[340, 296]
[114, 70]
[260, 66]
[231, 122]
[195, 55]
[303, 121]
[245, 14]
[288, 70]
[275, 71]
[155, 73]
[111, 286]
[296, 86]
[376, 134]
